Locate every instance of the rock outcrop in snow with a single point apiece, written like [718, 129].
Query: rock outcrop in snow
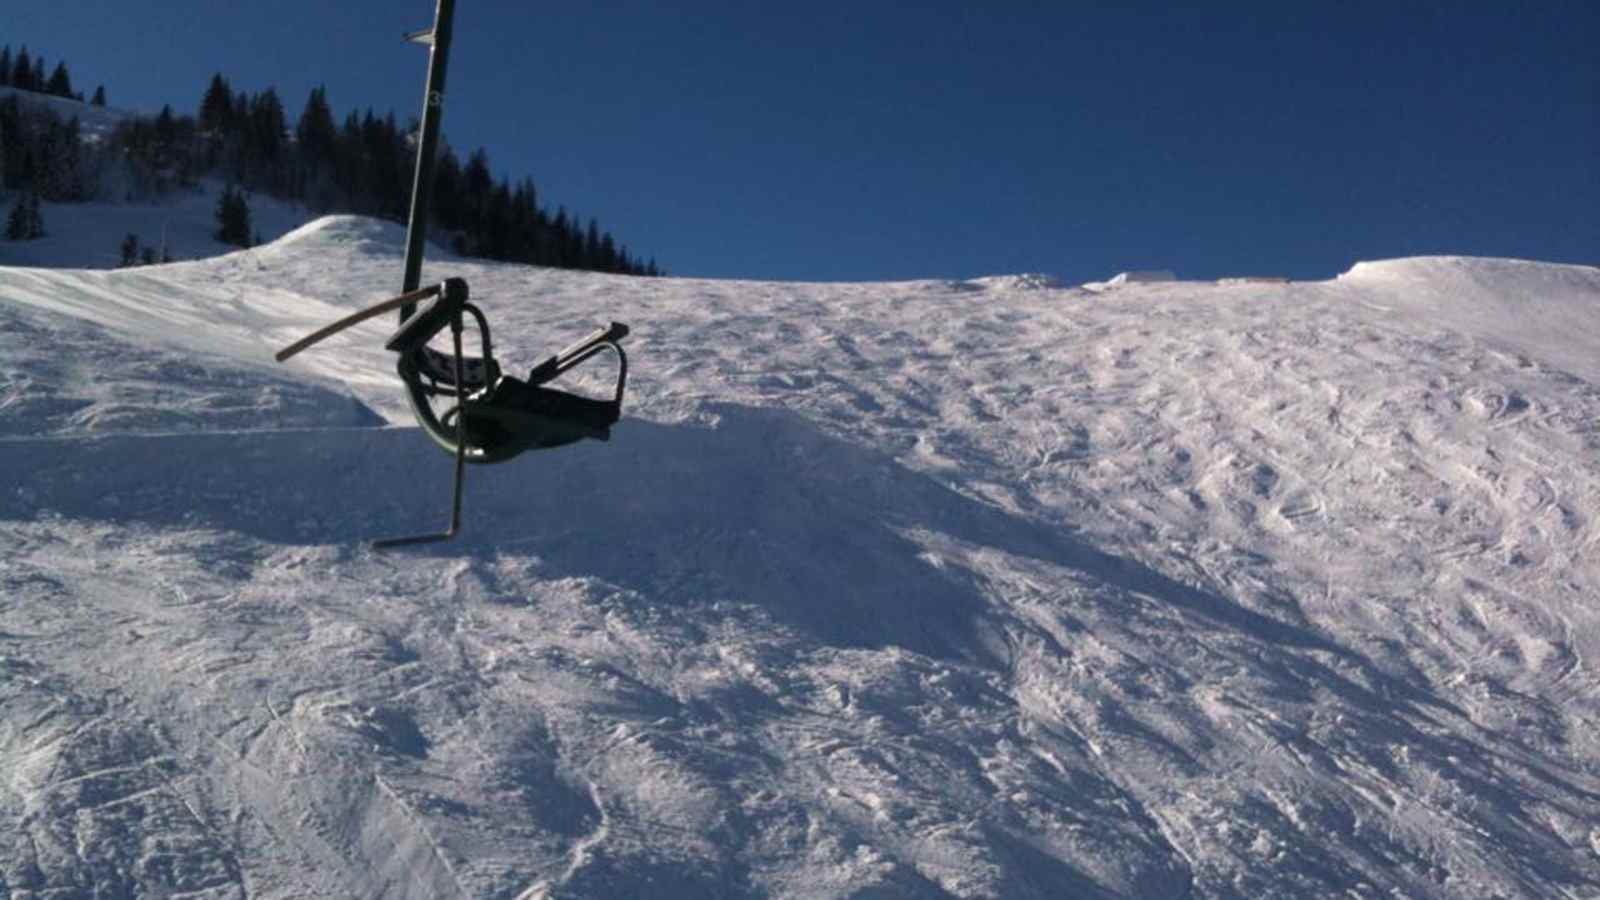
[1121, 279]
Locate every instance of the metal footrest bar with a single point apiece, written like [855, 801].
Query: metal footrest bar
[456, 327]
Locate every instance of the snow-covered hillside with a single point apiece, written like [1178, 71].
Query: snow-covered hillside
[95, 123]
[973, 589]
[90, 235]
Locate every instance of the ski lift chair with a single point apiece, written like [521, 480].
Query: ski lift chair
[495, 416]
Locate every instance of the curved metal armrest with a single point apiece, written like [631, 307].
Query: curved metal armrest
[601, 339]
[574, 354]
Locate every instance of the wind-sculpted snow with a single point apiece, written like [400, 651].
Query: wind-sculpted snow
[986, 589]
[63, 375]
[1541, 310]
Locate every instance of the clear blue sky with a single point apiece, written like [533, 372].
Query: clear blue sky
[864, 141]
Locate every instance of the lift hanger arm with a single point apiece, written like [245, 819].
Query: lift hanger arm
[378, 309]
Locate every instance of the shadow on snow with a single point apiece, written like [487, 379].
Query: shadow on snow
[761, 509]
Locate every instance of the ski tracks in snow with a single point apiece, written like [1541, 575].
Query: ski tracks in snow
[929, 589]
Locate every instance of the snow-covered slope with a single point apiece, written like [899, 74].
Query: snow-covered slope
[95, 123]
[90, 235]
[985, 589]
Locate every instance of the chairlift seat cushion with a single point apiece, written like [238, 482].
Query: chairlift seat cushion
[517, 416]
[550, 403]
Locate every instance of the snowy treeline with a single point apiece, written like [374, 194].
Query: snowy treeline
[361, 166]
[27, 73]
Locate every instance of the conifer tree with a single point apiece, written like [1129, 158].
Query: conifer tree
[60, 84]
[12, 146]
[446, 207]
[216, 107]
[5, 66]
[315, 132]
[35, 219]
[99, 96]
[215, 119]
[267, 126]
[61, 177]
[317, 147]
[591, 246]
[350, 172]
[166, 124]
[476, 181]
[17, 222]
[130, 249]
[22, 71]
[233, 218]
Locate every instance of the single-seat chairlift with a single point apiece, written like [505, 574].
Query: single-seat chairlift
[495, 416]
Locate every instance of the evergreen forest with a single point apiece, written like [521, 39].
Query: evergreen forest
[361, 164]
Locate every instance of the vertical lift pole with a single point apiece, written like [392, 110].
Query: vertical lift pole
[437, 40]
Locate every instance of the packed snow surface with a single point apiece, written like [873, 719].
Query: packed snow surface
[976, 589]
